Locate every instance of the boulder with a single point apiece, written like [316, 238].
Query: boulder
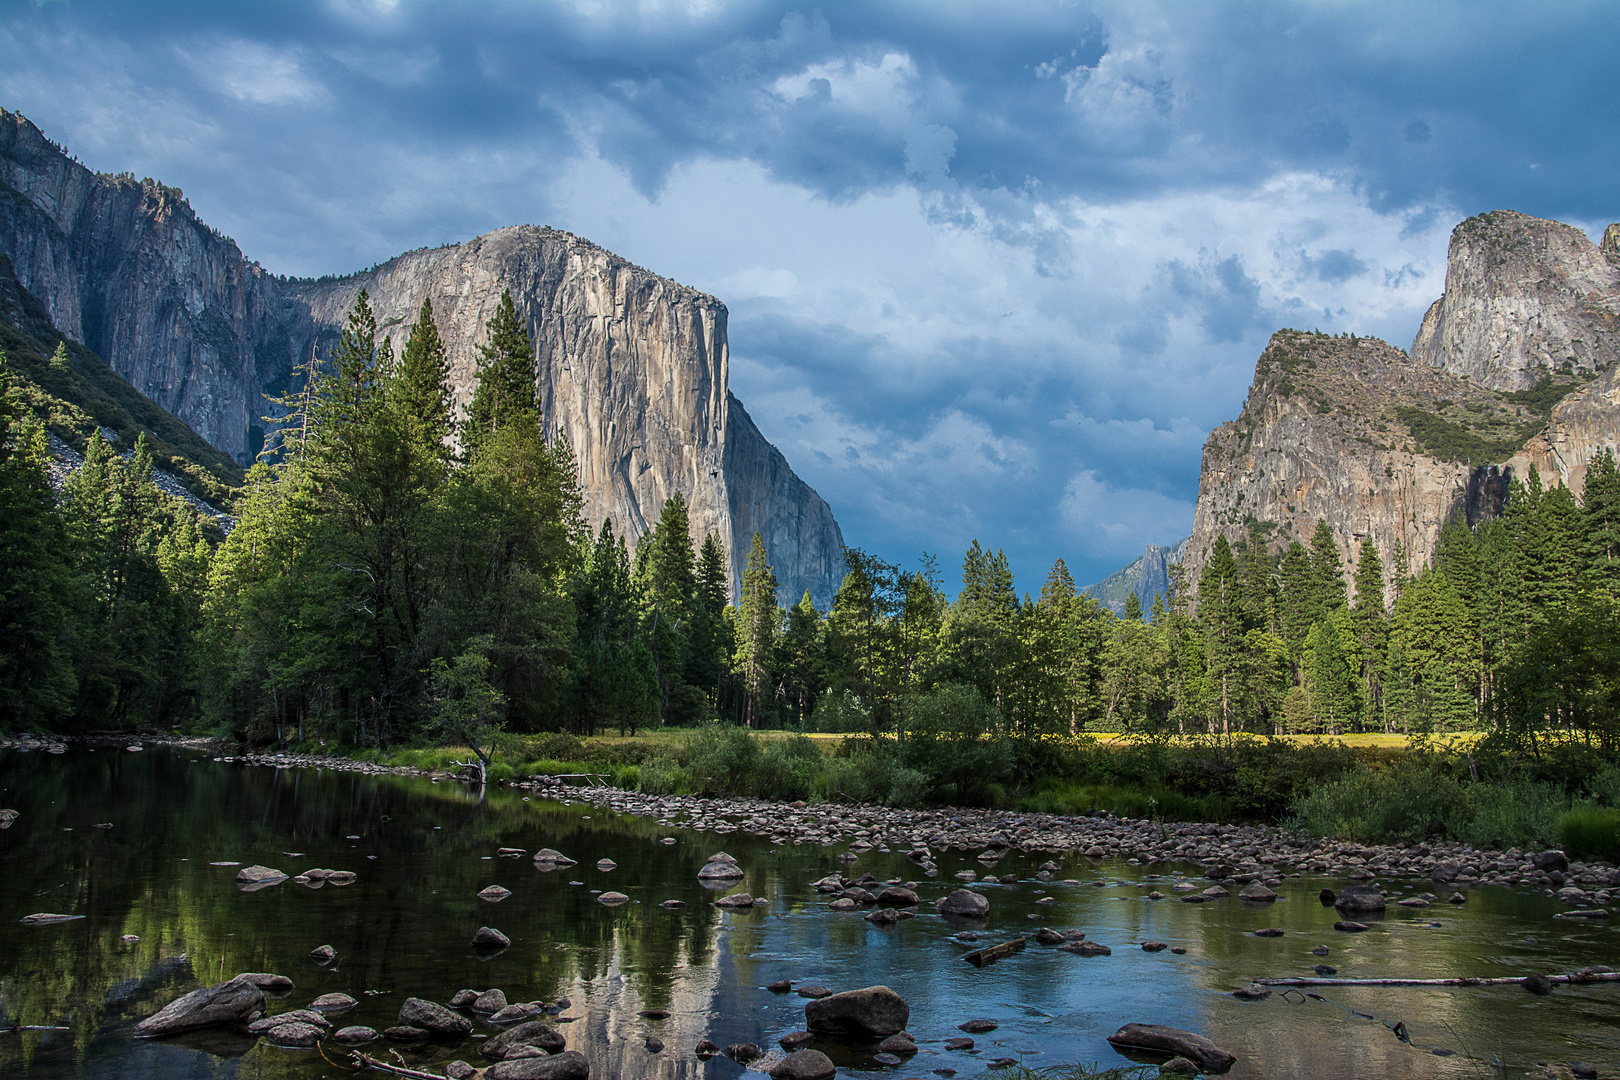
[226, 1003]
[569, 1065]
[1350, 926]
[795, 1039]
[459, 1070]
[264, 980]
[1047, 936]
[1356, 898]
[494, 893]
[897, 896]
[463, 998]
[977, 1027]
[490, 1001]
[489, 938]
[813, 991]
[354, 1035]
[900, 1042]
[964, 903]
[304, 1016]
[552, 856]
[323, 954]
[720, 869]
[530, 1033]
[1550, 861]
[654, 1044]
[1169, 1040]
[334, 1002]
[735, 900]
[874, 1011]
[1254, 892]
[433, 1018]
[514, 1012]
[40, 918]
[959, 1043]
[258, 875]
[804, 1065]
[612, 899]
[605, 865]
[1086, 948]
[295, 1034]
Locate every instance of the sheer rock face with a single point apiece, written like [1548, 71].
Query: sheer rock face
[1317, 441]
[632, 370]
[1344, 430]
[633, 367]
[126, 268]
[1523, 296]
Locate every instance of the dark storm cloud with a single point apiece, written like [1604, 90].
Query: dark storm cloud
[1107, 208]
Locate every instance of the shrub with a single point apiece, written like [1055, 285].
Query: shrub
[840, 712]
[1512, 814]
[1590, 832]
[663, 775]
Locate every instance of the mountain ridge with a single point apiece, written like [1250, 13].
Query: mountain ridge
[633, 366]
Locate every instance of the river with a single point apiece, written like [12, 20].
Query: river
[182, 824]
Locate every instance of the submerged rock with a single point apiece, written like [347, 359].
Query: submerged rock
[568, 1065]
[1169, 1040]
[874, 1011]
[433, 1018]
[228, 1002]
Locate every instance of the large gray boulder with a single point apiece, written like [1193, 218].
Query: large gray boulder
[569, 1065]
[1169, 1040]
[720, 867]
[874, 1011]
[1550, 861]
[1355, 898]
[804, 1065]
[433, 1018]
[965, 903]
[530, 1033]
[226, 1003]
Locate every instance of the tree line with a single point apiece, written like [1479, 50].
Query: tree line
[403, 570]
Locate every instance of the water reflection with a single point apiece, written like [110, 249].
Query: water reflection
[422, 852]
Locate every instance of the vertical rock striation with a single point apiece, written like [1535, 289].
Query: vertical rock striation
[633, 367]
[632, 371]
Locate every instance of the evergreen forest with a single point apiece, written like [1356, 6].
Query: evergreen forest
[406, 572]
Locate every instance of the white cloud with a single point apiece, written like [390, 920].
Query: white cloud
[1107, 520]
[252, 72]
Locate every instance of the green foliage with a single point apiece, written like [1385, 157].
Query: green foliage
[1590, 833]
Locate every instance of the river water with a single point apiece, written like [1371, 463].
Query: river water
[180, 822]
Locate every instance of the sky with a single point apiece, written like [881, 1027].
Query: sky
[994, 271]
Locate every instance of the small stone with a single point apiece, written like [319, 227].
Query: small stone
[323, 954]
[489, 938]
[490, 1001]
[605, 865]
[958, 1044]
[333, 1002]
[899, 1043]
[804, 1064]
[1179, 1066]
[354, 1035]
[1539, 985]
[1325, 970]
[494, 894]
[886, 1059]
[780, 986]
[1350, 926]
[815, 992]
[743, 1053]
[1320, 950]
[654, 1044]
[1270, 931]
[459, 1070]
[295, 1034]
[795, 1039]
[1153, 946]
[978, 1027]
[612, 899]
[463, 998]
[1252, 992]
[705, 1049]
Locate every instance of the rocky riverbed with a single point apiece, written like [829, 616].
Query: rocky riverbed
[1237, 853]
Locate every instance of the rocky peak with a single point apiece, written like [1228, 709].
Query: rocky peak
[1525, 298]
[633, 367]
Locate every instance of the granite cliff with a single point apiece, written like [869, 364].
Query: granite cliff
[1513, 368]
[633, 367]
[1146, 577]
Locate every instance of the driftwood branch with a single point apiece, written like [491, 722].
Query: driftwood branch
[366, 1061]
[1580, 977]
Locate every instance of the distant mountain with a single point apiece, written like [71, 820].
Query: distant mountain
[1516, 367]
[633, 367]
[1148, 575]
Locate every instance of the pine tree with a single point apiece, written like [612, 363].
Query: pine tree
[37, 682]
[1300, 604]
[1328, 567]
[507, 374]
[1133, 608]
[759, 622]
[422, 389]
[1222, 620]
[1371, 631]
[1600, 526]
[802, 643]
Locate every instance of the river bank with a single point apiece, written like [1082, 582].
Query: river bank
[1237, 853]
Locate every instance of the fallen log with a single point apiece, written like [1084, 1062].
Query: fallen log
[366, 1061]
[1579, 978]
[982, 957]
